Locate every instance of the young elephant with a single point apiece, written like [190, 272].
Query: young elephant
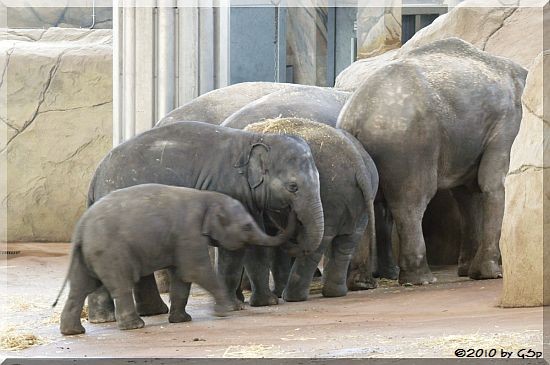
[348, 182]
[132, 232]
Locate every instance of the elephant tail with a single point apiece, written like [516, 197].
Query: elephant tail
[369, 195]
[76, 250]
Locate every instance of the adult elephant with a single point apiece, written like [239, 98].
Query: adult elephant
[215, 106]
[349, 181]
[442, 116]
[320, 104]
[264, 172]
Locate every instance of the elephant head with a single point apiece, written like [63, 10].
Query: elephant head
[282, 176]
[229, 225]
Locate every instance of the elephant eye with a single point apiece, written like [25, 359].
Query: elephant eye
[292, 187]
[247, 227]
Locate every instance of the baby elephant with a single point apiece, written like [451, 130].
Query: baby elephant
[132, 232]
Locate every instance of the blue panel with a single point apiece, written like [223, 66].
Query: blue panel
[253, 44]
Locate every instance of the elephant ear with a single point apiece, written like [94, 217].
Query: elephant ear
[214, 224]
[254, 163]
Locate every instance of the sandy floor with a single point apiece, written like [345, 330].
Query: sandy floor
[391, 321]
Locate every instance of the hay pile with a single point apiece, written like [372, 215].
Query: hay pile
[12, 340]
[312, 132]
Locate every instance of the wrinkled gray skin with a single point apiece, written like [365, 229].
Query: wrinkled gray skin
[310, 102]
[442, 116]
[132, 232]
[256, 170]
[349, 182]
[215, 106]
[322, 105]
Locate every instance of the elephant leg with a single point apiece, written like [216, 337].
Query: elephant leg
[120, 285]
[301, 274]
[470, 206]
[344, 250]
[179, 295]
[207, 279]
[126, 314]
[257, 266]
[101, 308]
[230, 269]
[280, 269]
[148, 300]
[387, 267]
[491, 173]
[82, 284]
[162, 277]
[407, 201]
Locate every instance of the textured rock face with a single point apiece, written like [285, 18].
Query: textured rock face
[67, 17]
[59, 116]
[512, 32]
[306, 43]
[521, 241]
[378, 29]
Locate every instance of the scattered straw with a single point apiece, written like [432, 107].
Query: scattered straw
[56, 317]
[11, 340]
[251, 351]
[510, 341]
[312, 132]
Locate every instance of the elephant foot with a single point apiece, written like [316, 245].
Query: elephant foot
[463, 269]
[237, 305]
[488, 269]
[72, 330]
[296, 295]
[361, 280]
[264, 299]
[391, 273]
[131, 324]
[221, 310]
[163, 281]
[101, 315]
[332, 290]
[416, 277]
[178, 317]
[151, 309]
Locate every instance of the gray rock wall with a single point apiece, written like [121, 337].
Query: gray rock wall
[59, 125]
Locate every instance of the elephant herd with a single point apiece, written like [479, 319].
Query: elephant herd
[337, 169]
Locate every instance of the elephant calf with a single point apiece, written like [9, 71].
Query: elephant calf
[348, 181]
[132, 232]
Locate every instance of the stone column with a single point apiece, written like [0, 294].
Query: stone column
[378, 29]
[307, 43]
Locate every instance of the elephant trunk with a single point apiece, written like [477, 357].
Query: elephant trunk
[260, 238]
[310, 215]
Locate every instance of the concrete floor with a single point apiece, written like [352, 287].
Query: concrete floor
[391, 321]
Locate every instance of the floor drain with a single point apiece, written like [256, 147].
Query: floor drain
[10, 252]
